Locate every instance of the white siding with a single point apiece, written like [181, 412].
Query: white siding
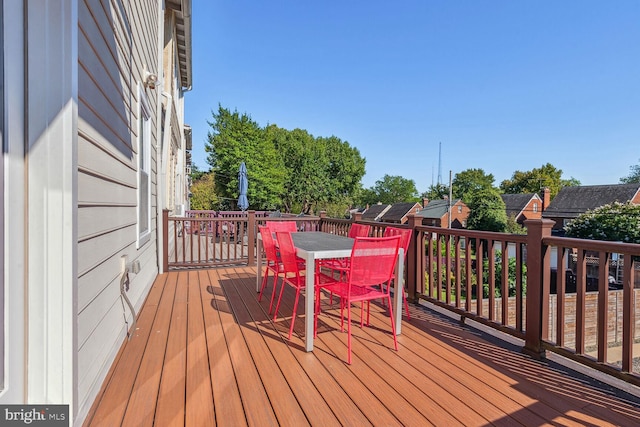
[117, 41]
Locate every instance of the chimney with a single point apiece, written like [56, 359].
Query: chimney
[546, 198]
[425, 202]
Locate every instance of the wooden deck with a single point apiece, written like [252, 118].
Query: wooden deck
[206, 353]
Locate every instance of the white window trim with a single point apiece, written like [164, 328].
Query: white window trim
[144, 140]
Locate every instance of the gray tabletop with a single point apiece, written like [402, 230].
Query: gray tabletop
[319, 241]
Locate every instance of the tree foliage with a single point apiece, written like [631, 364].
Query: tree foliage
[487, 211]
[470, 181]
[535, 180]
[512, 226]
[287, 170]
[392, 189]
[617, 222]
[633, 177]
[436, 192]
[196, 173]
[203, 195]
[235, 138]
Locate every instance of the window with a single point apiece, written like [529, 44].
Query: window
[535, 207]
[459, 209]
[144, 169]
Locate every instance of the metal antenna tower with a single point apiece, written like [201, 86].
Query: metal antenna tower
[439, 163]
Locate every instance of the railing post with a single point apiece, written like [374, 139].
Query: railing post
[538, 283]
[165, 240]
[321, 226]
[251, 236]
[413, 275]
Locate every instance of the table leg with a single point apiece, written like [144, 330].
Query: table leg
[398, 291]
[309, 306]
[259, 265]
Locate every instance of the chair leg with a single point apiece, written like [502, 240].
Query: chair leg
[273, 291]
[349, 333]
[264, 283]
[316, 312]
[295, 310]
[406, 304]
[284, 285]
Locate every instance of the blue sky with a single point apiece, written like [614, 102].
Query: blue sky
[502, 85]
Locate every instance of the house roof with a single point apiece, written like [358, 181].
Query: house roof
[182, 9]
[436, 209]
[515, 203]
[374, 212]
[573, 201]
[399, 211]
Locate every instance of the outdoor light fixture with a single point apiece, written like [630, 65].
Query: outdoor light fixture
[150, 79]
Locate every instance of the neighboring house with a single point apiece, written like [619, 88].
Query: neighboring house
[436, 213]
[375, 212]
[522, 206]
[398, 213]
[570, 202]
[94, 147]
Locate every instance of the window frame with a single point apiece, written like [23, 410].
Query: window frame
[143, 165]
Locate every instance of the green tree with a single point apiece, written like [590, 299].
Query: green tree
[393, 189]
[487, 211]
[470, 181]
[321, 173]
[235, 138]
[203, 193]
[535, 180]
[196, 173]
[617, 222]
[633, 177]
[436, 192]
[513, 227]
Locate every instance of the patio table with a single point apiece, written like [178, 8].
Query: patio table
[315, 245]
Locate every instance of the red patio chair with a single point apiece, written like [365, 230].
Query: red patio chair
[405, 240]
[342, 264]
[273, 263]
[372, 263]
[275, 226]
[294, 274]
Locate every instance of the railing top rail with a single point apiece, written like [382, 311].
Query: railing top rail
[593, 245]
[487, 235]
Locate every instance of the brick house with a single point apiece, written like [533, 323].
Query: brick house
[570, 202]
[375, 212]
[523, 206]
[398, 212]
[436, 213]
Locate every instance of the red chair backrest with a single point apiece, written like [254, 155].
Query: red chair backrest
[268, 244]
[275, 226]
[373, 260]
[405, 236]
[287, 252]
[359, 230]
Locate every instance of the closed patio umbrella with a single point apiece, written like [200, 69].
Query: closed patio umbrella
[243, 186]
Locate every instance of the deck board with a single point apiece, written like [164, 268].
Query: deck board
[206, 352]
[171, 395]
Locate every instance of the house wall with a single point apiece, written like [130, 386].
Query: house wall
[117, 42]
[530, 211]
[459, 215]
[13, 292]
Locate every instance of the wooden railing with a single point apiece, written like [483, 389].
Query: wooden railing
[513, 283]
